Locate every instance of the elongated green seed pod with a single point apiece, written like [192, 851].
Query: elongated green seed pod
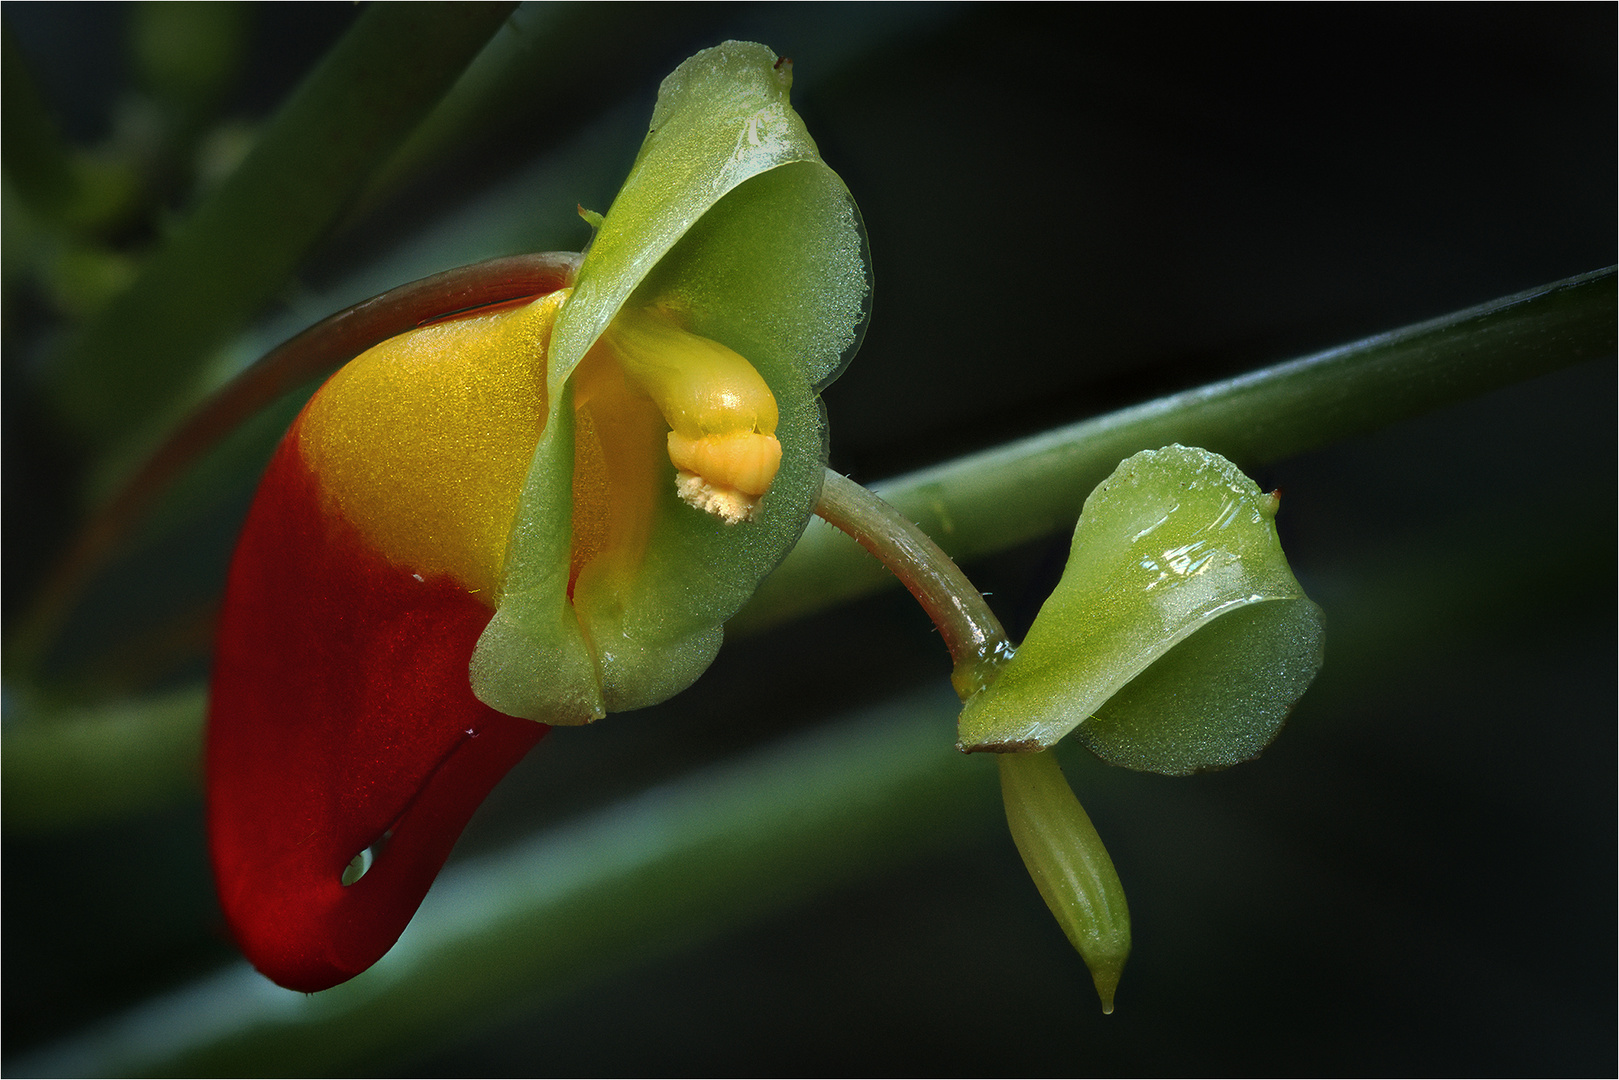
[1069, 865]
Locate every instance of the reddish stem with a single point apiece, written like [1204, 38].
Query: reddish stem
[977, 642]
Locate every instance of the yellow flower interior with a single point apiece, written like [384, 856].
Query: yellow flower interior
[618, 451]
[424, 441]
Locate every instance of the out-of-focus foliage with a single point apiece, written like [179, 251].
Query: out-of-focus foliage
[1063, 222]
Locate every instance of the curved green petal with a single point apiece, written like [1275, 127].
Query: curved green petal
[1218, 698]
[730, 218]
[1178, 638]
[532, 659]
[785, 256]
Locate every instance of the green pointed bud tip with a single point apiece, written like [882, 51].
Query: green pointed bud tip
[1105, 973]
[1069, 864]
[1178, 639]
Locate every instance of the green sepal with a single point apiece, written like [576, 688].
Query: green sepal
[790, 255]
[532, 659]
[730, 220]
[1178, 638]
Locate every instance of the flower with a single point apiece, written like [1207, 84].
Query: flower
[525, 517]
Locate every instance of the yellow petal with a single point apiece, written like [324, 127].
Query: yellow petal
[423, 442]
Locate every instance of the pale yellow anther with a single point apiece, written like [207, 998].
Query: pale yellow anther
[721, 414]
[746, 460]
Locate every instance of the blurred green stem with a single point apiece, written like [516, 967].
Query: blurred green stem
[669, 867]
[37, 159]
[146, 346]
[103, 764]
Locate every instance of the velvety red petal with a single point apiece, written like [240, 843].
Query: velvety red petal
[341, 719]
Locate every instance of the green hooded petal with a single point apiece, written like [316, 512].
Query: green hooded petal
[788, 254]
[532, 659]
[1178, 638]
[731, 220]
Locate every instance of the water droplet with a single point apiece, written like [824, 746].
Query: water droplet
[361, 864]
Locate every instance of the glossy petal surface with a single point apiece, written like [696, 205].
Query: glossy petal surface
[1177, 639]
[341, 718]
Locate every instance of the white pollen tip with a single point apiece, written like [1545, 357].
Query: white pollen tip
[727, 504]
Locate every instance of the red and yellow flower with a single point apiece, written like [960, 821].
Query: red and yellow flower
[525, 517]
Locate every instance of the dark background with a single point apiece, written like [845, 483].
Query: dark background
[1070, 210]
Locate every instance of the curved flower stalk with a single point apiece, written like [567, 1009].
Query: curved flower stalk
[1177, 641]
[525, 517]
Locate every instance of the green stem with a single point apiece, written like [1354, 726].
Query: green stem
[991, 501]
